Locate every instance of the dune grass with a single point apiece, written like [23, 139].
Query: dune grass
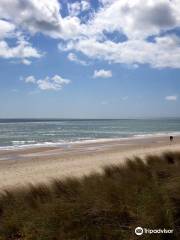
[98, 207]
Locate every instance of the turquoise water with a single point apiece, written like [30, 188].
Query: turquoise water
[28, 132]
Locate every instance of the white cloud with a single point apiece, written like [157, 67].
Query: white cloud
[48, 83]
[6, 29]
[22, 49]
[102, 73]
[73, 58]
[85, 5]
[77, 7]
[26, 62]
[164, 52]
[42, 16]
[133, 22]
[33, 15]
[19, 18]
[138, 21]
[171, 98]
[30, 79]
[74, 8]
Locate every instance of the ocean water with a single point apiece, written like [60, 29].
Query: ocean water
[16, 133]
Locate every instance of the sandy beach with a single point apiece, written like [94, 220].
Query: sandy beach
[41, 165]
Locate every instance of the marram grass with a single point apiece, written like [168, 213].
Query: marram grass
[98, 207]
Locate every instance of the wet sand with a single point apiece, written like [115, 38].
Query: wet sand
[41, 165]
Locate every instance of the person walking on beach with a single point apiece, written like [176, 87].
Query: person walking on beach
[171, 138]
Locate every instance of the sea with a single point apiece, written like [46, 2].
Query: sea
[21, 133]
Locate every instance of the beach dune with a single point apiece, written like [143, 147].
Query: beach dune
[41, 165]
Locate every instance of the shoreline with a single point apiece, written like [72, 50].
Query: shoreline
[21, 167]
[85, 141]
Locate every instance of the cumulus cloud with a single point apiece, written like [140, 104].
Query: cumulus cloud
[30, 17]
[137, 21]
[133, 22]
[30, 79]
[6, 29]
[48, 83]
[40, 16]
[163, 52]
[22, 49]
[73, 58]
[171, 98]
[76, 8]
[102, 73]
[33, 15]
[85, 5]
[26, 62]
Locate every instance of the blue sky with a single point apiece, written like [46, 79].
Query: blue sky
[89, 59]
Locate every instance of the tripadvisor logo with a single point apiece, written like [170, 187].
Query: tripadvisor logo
[139, 231]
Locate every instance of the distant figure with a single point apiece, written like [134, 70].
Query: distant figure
[171, 138]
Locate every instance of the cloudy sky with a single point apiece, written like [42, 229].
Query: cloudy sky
[89, 59]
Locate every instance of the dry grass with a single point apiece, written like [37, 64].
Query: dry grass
[98, 207]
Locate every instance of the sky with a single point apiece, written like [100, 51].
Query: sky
[89, 59]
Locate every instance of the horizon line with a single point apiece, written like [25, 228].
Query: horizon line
[74, 118]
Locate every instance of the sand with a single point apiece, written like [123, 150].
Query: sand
[41, 165]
